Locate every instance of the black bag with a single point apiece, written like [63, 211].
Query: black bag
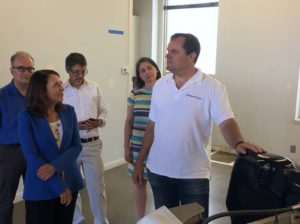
[261, 181]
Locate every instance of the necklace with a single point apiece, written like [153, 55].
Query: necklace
[55, 130]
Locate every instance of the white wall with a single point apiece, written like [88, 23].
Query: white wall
[258, 60]
[143, 9]
[50, 30]
[151, 27]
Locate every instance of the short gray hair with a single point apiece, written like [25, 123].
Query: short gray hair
[20, 53]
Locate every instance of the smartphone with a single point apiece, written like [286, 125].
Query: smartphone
[92, 119]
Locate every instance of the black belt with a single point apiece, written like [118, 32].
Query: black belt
[12, 145]
[91, 139]
[16, 145]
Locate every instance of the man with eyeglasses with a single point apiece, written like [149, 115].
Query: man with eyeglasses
[12, 163]
[85, 96]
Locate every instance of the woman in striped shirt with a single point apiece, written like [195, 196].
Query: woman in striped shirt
[139, 101]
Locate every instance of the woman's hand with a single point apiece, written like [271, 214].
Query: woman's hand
[128, 155]
[45, 171]
[66, 197]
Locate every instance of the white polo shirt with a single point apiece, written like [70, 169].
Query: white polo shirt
[183, 125]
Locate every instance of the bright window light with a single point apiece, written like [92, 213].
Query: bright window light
[201, 22]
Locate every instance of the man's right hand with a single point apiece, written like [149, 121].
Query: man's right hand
[137, 175]
[81, 125]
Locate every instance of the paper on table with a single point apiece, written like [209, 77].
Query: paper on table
[160, 216]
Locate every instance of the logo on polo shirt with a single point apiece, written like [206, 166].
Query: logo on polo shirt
[196, 97]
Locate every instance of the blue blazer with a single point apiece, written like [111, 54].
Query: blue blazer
[39, 147]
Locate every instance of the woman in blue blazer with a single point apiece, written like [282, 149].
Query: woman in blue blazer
[51, 144]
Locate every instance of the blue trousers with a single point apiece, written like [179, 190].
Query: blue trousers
[173, 192]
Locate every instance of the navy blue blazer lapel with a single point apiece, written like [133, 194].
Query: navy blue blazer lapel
[63, 119]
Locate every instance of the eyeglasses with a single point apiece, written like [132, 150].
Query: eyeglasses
[24, 69]
[79, 72]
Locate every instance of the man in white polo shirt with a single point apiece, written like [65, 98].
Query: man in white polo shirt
[85, 96]
[184, 105]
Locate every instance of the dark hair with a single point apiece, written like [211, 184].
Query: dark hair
[36, 93]
[19, 53]
[139, 83]
[191, 43]
[74, 59]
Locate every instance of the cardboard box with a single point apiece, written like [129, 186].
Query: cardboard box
[189, 213]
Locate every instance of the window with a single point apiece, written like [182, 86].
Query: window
[199, 18]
